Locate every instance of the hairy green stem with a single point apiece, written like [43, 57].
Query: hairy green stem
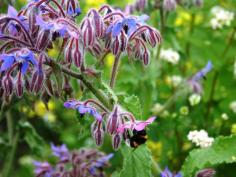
[10, 158]
[9, 127]
[114, 71]
[98, 93]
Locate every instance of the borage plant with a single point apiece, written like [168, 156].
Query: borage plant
[26, 68]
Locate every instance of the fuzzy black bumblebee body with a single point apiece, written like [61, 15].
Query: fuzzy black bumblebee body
[138, 138]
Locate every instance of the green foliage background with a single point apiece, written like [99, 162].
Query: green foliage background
[139, 89]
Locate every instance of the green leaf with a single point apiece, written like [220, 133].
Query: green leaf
[221, 151]
[32, 138]
[132, 104]
[137, 162]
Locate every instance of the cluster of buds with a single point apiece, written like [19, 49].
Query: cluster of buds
[27, 35]
[139, 6]
[82, 163]
[25, 38]
[120, 124]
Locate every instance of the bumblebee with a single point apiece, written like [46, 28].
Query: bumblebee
[138, 138]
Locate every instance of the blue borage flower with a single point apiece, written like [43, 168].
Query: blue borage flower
[22, 57]
[194, 81]
[129, 24]
[203, 72]
[167, 173]
[61, 152]
[43, 169]
[99, 163]
[12, 12]
[83, 109]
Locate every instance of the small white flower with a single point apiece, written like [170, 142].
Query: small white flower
[224, 116]
[170, 56]
[232, 106]
[176, 80]
[200, 138]
[194, 99]
[221, 17]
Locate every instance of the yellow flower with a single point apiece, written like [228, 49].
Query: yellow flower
[156, 148]
[233, 129]
[183, 18]
[94, 3]
[40, 108]
[109, 60]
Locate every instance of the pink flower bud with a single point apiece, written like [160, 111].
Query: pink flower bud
[154, 37]
[116, 141]
[87, 33]
[145, 58]
[98, 24]
[113, 121]
[7, 84]
[68, 51]
[77, 54]
[97, 132]
[37, 80]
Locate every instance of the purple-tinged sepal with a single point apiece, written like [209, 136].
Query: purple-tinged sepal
[113, 121]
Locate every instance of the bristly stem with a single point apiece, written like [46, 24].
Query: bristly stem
[98, 93]
[13, 141]
[114, 71]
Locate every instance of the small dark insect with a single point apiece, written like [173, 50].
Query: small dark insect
[138, 138]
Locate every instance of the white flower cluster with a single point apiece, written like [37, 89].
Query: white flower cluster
[170, 56]
[194, 99]
[221, 17]
[200, 138]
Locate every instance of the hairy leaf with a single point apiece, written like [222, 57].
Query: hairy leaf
[222, 151]
[132, 104]
[137, 162]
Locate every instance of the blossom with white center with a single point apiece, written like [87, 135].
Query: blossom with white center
[170, 56]
[224, 116]
[200, 138]
[221, 17]
[233, 106]
[194, 99]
